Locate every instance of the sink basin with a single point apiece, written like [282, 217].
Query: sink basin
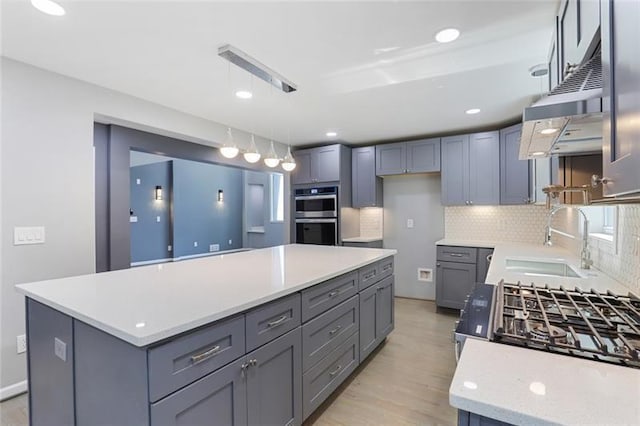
[541, 268]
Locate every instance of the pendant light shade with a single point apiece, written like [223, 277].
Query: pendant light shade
[272, 160]
[229, 149]
[252, 155]
[288, 163]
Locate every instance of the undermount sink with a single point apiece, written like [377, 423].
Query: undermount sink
[541, 268]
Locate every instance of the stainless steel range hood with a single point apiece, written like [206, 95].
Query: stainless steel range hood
[568, 120]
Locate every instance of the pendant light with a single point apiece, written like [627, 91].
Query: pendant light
[288, 162]
[229, 149]
[272, 160]
[252, 155]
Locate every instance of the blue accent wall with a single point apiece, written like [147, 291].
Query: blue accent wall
[149, 238]
[197, 215]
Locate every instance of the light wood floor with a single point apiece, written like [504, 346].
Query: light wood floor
[405, 382]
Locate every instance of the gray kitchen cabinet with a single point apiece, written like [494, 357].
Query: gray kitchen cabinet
[621, 96]
[579, 27]
[553, 59]
[420, 156]
[366, 186]
[454, 282]
[514, 173]
[274, 382]
[321, 164]
[363, 244]
[484, 261]
[471, 169]
[219, 398]
[466, 418]
[376, 315]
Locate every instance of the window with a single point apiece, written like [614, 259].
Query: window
[602, 221]
[277, 197]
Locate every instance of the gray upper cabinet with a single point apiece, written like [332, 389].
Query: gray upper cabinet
[470, 169]
[621, 100]
[421, 156]
[578, 29]
[366, 186]
[514, 173]
[321, 164]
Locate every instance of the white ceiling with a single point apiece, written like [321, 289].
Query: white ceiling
[371, 71]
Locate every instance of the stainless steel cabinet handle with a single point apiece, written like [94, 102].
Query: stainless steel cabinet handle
[334, 293]
[470, 202]
[386, 268]
[489, 257]
[277, 322]
[369, 276]
[438, 265]
[335, 330]
[456, 254]
[243, 369]
[379, 288]
[334, 372]
[195, 359]
[253, 362]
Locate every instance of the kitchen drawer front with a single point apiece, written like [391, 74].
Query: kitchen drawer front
[385, 268]
[367, 275]
[272, 320]
[188, 358]
[324, 333]
[321, 380]
[457, 254]
[324, 296]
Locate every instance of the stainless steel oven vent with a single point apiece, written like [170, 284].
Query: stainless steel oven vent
[255, 67]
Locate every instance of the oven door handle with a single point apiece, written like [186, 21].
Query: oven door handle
[316, 197]
[316, 220]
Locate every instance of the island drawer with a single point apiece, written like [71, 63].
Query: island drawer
[272, 320]
[190, 357]
[326, 332]
[324, 296]
[457, 254]
[322, 379]
[385, 268]
[367, 275]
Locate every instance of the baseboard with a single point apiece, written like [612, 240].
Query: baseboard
[13, 390]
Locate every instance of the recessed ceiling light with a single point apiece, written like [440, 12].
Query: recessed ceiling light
[472, 111]
[447, 35]
[332, 134]
[49, 7]
[244, 94]
[548, 131]
[538, 153]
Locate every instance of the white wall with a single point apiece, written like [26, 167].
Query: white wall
[414, 197]
[46, 179]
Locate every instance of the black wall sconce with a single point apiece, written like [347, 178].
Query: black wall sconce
[220, 196]
[158, 193]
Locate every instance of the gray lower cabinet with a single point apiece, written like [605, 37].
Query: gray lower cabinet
[454, 282]
[466, 418]
[274, 382]
[376, 315]
[362, 244]
[219, 398]
[366, 186]
[515, 174]
[482, 266]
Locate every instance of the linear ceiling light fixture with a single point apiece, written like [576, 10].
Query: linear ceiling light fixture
[255, 67]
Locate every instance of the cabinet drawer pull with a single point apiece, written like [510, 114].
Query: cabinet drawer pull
[277, 322]
[456, 254]
[335, 330]
[334, 293]
[195, 359]
[386, 268]
[379, 288]
[334, 372]
[369, 276]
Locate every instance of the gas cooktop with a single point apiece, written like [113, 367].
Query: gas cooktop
[593, 325]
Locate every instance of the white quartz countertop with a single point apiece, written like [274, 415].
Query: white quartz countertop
[526, 386]
[361, 239]
[147, 304]
[466, 243]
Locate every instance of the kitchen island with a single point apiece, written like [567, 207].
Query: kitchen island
[498, 384]
[256, 337]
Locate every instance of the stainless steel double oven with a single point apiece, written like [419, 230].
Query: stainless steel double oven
[317, 215]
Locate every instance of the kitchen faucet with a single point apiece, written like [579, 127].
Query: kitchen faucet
[585, 255]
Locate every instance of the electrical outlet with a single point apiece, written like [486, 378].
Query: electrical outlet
[230, 242]
[60, 349]
[409, 223]
[214, 247]
[169, 248]
[157, 218]
[21, 343]
[138, 181]
[195, 244]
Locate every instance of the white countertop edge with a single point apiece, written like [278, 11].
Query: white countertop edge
[179, 329]
[361, 239]
[467, 243]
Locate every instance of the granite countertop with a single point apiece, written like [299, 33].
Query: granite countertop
[150, 303]
[526, 386]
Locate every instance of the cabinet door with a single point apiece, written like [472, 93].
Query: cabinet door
[274, 382]
[391, 159]
[568, 34]
[454, 282]
[325, 163]
[384, 308]
[423, 156]
[553, 60]
[588, 28]
[514, 173]
[621, 101]
[455, 170]
[484, 168]
[368, 340]
[366, 186]
[219, 398]
[302, 172]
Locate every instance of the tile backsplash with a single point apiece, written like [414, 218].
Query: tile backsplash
[371, 222]
[496, 223]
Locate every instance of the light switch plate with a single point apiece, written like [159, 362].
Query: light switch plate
[21, 343]
[23, 235]
[214, 247]
[409, 223]
[60, 349]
